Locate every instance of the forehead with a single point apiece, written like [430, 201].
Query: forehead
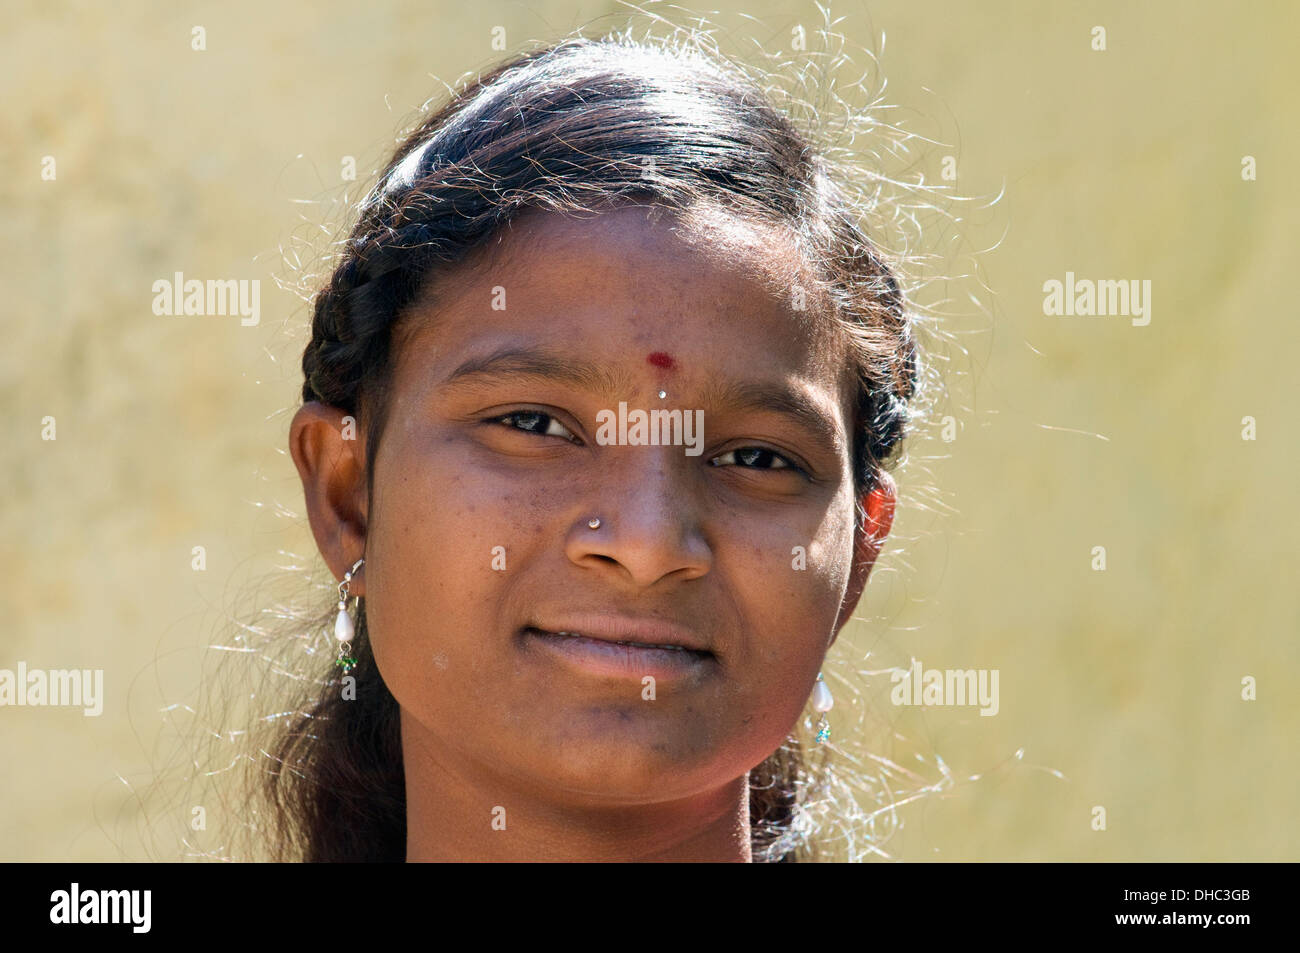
[716, 292]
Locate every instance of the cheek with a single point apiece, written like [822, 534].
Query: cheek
[791, 574]
[789, 578]
[442, 539]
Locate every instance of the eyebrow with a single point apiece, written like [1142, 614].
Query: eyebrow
[543, 364]
[778, 399]
[612, 383]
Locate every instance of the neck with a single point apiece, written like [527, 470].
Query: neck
[458, 811]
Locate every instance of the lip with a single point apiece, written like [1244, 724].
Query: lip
[627, 630]
[619, 647]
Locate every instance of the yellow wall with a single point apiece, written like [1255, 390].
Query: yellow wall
[1122, 687]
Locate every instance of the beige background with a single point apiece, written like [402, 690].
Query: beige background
[1120, 688]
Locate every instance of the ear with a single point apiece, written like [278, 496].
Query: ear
[868, 538]
[329, 452]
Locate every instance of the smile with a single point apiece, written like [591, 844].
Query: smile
[638, 645]
[609, 657]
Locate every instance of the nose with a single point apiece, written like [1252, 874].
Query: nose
[650, 526]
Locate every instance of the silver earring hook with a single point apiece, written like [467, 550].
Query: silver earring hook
[347, 579]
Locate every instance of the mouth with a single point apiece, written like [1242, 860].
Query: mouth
[634, 644]
[630, 653]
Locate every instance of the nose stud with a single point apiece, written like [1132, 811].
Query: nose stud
[594, 522]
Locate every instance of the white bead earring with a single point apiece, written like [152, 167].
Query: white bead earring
[822, 702]
[344, 628]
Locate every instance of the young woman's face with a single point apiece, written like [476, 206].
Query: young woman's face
[670, 648]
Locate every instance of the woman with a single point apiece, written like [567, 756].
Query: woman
[577, 625]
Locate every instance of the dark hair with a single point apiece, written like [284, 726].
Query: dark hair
[578, 127]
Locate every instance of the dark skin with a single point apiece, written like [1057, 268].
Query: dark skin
[578, 763]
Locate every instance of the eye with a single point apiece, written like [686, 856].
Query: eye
[755, 458]
[534, 421]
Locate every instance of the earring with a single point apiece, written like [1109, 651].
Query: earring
[344, 628]
[594, 522]
[822, 702]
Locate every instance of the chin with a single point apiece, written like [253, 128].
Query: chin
[630, 767]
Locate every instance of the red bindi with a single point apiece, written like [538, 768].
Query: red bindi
[660, 359]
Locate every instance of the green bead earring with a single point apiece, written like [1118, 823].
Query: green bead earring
[344, 628]
[822, 702]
